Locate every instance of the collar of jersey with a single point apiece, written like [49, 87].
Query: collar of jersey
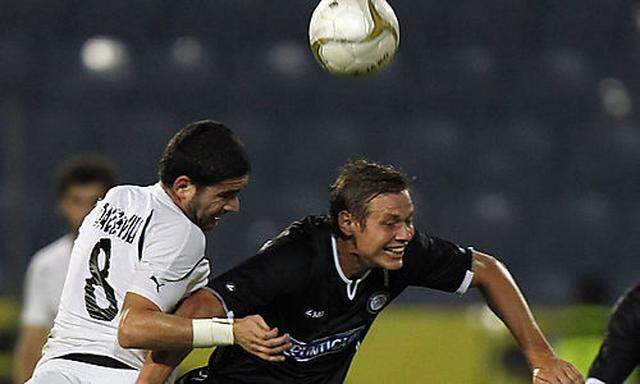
[164, 196]
[352, 285]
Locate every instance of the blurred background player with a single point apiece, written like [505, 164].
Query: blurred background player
[81, 181]
[138, 253]
[620, 350]
[324, 280]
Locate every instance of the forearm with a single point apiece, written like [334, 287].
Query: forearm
[153, 330]
[25, 363]
[159, 365]
[27, 352]
[143, 326]
[507, 302]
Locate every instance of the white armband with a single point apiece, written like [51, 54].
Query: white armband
[212, 332]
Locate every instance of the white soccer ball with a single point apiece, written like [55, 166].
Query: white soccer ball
[353, 37]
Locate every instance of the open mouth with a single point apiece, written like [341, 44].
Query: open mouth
[396, 250]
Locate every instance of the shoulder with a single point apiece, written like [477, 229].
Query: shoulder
[285, 265]
[301, 236]
[296, 249]
[164, 218]
[124, 190]
[627, 309]
[167, 215]
[630, 301]
[130, 194]
[634, 293]
[125, 198]
[175, 229]
[53, 256]
[432, 245]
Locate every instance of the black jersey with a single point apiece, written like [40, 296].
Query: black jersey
[295, 282]
[620, 350]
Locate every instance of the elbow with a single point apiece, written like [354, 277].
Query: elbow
[201, 304]
[126, 333]
[126, 339]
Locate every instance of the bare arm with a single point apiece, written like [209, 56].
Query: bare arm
[28, 351]
[144, 326]
[159, 364]
[505, 299]
[251, 333]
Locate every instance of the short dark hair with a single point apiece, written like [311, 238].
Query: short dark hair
[360, 182]
[207, 152]
[85, 169]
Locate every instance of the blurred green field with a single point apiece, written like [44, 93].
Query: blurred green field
[461, 344]
[429, 344]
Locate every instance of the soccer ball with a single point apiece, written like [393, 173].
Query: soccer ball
[353, 37]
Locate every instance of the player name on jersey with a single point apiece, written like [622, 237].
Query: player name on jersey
[301, 351]
[115, 221]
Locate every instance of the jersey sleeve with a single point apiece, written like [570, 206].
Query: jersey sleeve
[172, 265]
[434, 263]
[272, 275]
[620, 350]
[36, 310]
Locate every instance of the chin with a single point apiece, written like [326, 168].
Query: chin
[392, 264]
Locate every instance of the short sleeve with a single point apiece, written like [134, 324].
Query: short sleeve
[434, 263]
[620, 350]
[267, 277]
[172, 265]
[36, 310]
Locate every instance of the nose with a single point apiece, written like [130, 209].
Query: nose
[405, 233]
[233, 205]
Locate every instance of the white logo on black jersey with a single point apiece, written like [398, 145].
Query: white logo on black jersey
[301, 351]
[377, 301]
[230, 286]
[312, 314]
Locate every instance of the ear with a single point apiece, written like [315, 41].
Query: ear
[184, 188]
[347, 223]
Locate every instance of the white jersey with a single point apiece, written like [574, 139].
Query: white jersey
[44, 281]
[135, 240]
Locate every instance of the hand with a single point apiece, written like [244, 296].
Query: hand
[257, 338]
[552, 370]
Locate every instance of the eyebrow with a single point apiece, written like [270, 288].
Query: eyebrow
[395, 216]
[229, 192]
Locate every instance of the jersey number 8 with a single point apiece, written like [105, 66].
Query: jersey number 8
[99, 278]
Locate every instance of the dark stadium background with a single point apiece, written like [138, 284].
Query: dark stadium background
[518, 121]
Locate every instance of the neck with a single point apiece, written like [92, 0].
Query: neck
[353, 265]
[173, 197]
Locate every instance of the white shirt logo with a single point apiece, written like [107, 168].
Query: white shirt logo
[311, 314]
[377, 301]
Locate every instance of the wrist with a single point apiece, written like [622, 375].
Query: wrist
[538, 355]
[212, 332]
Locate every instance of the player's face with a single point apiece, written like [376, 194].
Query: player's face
[210, 203]
[76, 202]
[388, 228]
